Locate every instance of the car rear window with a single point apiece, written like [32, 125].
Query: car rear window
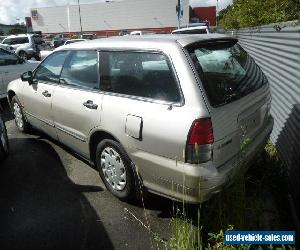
[226, 70]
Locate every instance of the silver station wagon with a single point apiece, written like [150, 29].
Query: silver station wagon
[177, 115]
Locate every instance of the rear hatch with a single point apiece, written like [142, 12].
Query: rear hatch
[236, 92]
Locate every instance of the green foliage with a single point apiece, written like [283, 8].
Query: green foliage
[248, 13]
[16, 30]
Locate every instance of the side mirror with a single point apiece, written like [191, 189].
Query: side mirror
[27, 77]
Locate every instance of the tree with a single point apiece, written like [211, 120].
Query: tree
[247, 13]
[15, 30]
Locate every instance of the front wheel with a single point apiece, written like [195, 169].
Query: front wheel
[20, 120]
[116, 170]
[4, 146]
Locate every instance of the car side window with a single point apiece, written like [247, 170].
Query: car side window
[7, 58]
[142, 74]
[7, 41]
[81, 70]
[49, 70]
[21, 40]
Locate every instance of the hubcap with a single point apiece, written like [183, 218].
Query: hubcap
[18, 115]
[113, 168]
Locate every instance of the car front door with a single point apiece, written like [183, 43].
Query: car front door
[76, 103]
[37, 96]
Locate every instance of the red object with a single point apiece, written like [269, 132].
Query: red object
[201, 132]
[206, 14]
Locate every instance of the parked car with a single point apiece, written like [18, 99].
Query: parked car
[88, 36]
[178, 115]
[74, 41]
[141, 32]
[58, 40]
[26, 46]
[202, 29]
[4, 146]
[7, 47]
[11, 68]
[2, 38]
[45, 53]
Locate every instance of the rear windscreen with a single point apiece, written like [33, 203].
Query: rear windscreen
[226, 71]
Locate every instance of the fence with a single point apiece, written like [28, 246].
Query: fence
[276, 49]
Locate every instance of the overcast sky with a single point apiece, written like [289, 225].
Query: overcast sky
[12, 11]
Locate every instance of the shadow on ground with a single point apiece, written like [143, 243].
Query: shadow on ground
[40, 208]
[7, 115]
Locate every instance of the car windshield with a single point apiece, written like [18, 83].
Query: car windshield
[226, 70]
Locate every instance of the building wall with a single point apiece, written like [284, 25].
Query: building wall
[206, 14]
[110, 16]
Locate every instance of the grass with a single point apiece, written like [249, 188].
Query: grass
[242, 204]
[202, 228]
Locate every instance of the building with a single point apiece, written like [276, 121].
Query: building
[110, 17]
[206, 14]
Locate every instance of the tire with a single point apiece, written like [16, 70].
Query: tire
[37, 58]
[20, 120]
[117, 170]
[23, 55]
[4, 145]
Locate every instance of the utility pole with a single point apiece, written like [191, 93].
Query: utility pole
[217, 13]
[179, 11]
[79, 17]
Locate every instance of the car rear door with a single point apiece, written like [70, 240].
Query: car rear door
[142, 106]
[77, 101]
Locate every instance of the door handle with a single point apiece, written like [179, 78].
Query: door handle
[46, 93]
[90, 105]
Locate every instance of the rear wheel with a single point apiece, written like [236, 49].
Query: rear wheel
[23, 55]
[4, 146]
[37, 57]
[20, 119]
[116, 170]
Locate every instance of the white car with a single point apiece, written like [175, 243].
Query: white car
[25, 45]
[7, 47]
[202, 29]
[74, 41]
[11, 67]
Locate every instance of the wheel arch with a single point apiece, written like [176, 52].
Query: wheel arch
[10, 95]
[95, 138]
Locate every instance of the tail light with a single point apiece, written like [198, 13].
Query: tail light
[199, 142]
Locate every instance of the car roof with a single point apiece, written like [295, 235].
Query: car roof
[145, 41]
[18, 35]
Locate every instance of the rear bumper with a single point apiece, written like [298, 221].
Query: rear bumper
[197, 183]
